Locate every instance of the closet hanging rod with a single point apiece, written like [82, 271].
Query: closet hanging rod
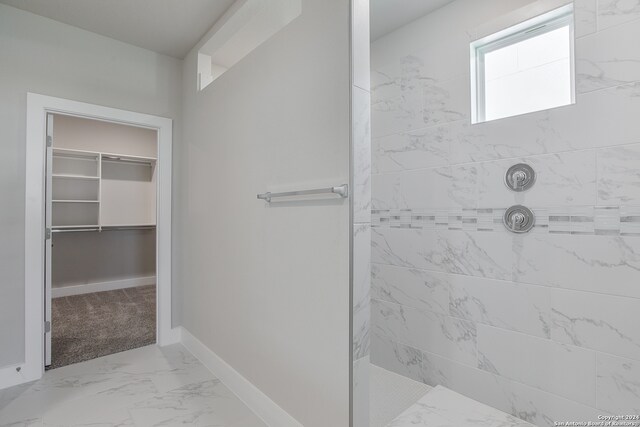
[114, 159]
[124, 227]
[73, 230]
[341, 190]
[88, 157]
[104, 228]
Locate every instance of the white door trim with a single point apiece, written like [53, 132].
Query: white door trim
[37, 108]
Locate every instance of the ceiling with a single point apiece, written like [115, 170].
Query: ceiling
[173, 27]
[389, 15]
[170, 27]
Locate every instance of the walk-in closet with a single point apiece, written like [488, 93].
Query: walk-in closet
[100, 295]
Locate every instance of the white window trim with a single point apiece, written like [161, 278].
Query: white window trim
[539, 25]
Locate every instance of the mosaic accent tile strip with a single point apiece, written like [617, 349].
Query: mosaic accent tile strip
[588, 220]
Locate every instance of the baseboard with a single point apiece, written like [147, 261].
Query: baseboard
[17, 374]
[265, 408]
[173, 336]
[89, 288]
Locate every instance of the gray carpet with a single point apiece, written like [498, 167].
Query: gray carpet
[94, 325]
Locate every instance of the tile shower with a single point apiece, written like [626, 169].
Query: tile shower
[544, 326]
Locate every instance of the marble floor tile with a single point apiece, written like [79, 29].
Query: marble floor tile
[88, 412]
[442, 407]
[25, 423]
[206, 403]
[142, 387]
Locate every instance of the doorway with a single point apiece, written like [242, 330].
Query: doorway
[42, 226]
[100, 277]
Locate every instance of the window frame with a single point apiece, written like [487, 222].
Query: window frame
[542, 24]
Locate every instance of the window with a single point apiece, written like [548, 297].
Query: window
[525, 68]
[244, 27]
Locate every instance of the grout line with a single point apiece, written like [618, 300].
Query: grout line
[620, 24]
[368, 91]
[481, 323]
[595, 391]
[548, 111]
[597, 172]
[491, 374]
[509, 282]
[505, 159]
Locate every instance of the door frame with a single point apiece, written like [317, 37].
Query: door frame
[38, 106]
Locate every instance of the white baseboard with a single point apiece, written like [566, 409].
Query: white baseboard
[257, 401]
[89, 288]
[11, 376]
[173, 336]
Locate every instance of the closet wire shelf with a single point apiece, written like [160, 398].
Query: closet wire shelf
[102, 228]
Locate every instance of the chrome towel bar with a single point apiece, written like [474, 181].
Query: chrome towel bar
[341, 190]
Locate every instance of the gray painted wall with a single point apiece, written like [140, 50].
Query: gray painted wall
[81, 258]
[43, 56]
[267, 287]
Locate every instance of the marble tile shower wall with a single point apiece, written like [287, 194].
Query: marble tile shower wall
[544, 325]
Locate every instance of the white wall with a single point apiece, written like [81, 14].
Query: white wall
[542, 325]
[267, 287]
[94, 135]
[47, 57]
[92, 257]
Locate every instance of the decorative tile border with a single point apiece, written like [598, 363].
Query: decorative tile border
[589, 220]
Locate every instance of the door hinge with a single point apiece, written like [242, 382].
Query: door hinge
[49, 141]
[47, 233]
[47, 327]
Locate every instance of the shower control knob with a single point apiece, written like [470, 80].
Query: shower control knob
[520, 177]
[519, 219]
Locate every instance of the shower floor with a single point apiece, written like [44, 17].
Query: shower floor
[390, 395]
[442, 407]
[397, 401]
